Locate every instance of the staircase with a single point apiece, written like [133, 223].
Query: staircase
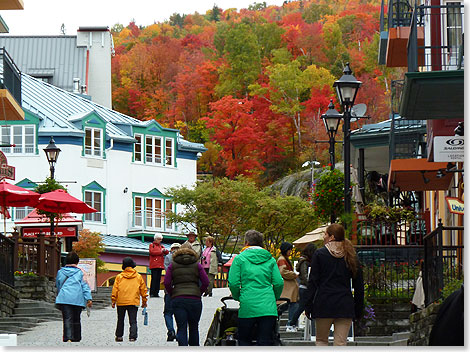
[297, 338]
[28, 313]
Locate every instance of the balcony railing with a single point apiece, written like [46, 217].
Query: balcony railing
[10, 75]
[443, 38]
[149, 221]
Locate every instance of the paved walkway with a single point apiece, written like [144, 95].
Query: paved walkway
[98, 329]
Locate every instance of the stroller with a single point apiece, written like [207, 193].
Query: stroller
[223, 329]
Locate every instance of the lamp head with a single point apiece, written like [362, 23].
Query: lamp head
[347, 87]
[331, 119]
[52, 152]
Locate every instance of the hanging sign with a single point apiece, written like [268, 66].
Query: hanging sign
[6, 171]
[449, 149]
[456, 206]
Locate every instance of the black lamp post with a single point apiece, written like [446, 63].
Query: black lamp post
[331, 119]
[52, 153]
[346, 88]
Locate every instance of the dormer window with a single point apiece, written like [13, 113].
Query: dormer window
[93, 141]
[153, 149]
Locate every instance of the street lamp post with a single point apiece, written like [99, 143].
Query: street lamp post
[331, 120]
[346, 88]
[52, 153]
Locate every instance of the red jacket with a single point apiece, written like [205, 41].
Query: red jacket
[157, 253]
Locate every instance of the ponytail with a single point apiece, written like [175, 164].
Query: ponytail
[350, 256]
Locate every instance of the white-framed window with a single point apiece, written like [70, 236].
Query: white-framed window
[453, 32]
[94, 199]
[168, 208]
[93, 141]
[169, 151]
[138, 146]
[22, 136]
[153, 213]
[153, 150]
[138, 212]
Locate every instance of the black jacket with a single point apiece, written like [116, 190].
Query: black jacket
[329, 288]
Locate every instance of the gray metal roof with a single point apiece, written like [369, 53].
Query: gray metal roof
[46, 55]
[58, 109]
[123, 244]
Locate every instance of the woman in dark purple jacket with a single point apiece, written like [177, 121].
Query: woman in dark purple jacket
[329, 296]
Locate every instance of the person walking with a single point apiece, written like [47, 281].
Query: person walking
[156, 264]
[73, 294]
[291, 287]
[185, 280]
[167, 309]
[210, 263]
[195, 245]
[255, 281]
[329, 296]
[302, 267]
[128, 288]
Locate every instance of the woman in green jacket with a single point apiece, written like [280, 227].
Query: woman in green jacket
[255, 281]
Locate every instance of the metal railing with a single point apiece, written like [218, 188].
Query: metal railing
[443, 38]
[399, 13]
[41, 255]
[442, 262]
[10, 75]
[7, 247]
[402, 232]
[390, 271]
[151, 221]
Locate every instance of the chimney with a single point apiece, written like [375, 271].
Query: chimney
[76, 85]
[83, 88]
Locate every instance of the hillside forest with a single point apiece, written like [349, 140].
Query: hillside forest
[251, 84]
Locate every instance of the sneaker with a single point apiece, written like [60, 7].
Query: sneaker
[171, 336]
[132, 340]
[290, 328]
[118, 339]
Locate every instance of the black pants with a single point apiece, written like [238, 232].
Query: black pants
[261, 329]
[132, 313]
[71, 319]
[155, 282]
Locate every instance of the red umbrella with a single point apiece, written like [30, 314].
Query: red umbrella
[14, 196]
[59, 201]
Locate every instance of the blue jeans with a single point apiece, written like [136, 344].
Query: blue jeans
[292, 307]
[168, 313]
[261, 329]
[187, 313]
[300, 306]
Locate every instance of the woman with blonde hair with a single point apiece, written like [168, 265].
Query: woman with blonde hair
[329, 296]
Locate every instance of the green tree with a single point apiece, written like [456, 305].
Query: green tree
[315, 12]
[242, 54]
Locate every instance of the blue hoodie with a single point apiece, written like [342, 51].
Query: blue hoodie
[71, 288]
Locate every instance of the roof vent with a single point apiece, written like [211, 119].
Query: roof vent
[83, 89]
[76, 85]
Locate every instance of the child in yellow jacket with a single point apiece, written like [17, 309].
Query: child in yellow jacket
[128, 287]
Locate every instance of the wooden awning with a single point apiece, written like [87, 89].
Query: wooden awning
[417, 175]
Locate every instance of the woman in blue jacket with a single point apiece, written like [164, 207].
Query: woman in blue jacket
[73, 294]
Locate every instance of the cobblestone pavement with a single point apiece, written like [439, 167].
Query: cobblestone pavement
[98, 329]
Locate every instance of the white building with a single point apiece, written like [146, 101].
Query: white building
[117, 164]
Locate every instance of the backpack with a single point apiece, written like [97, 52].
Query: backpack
[219, 256]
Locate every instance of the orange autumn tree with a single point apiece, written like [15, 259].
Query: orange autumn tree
[90, 245]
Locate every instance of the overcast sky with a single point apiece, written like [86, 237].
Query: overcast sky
[44, 17]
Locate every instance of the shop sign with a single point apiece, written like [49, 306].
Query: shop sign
[449, 149]
[60, 231]
[456, 206]
[6, 171]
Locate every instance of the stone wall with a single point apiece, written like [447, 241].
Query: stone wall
[421, 324]
[390, 317]
[8, 298]
[36, 287]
